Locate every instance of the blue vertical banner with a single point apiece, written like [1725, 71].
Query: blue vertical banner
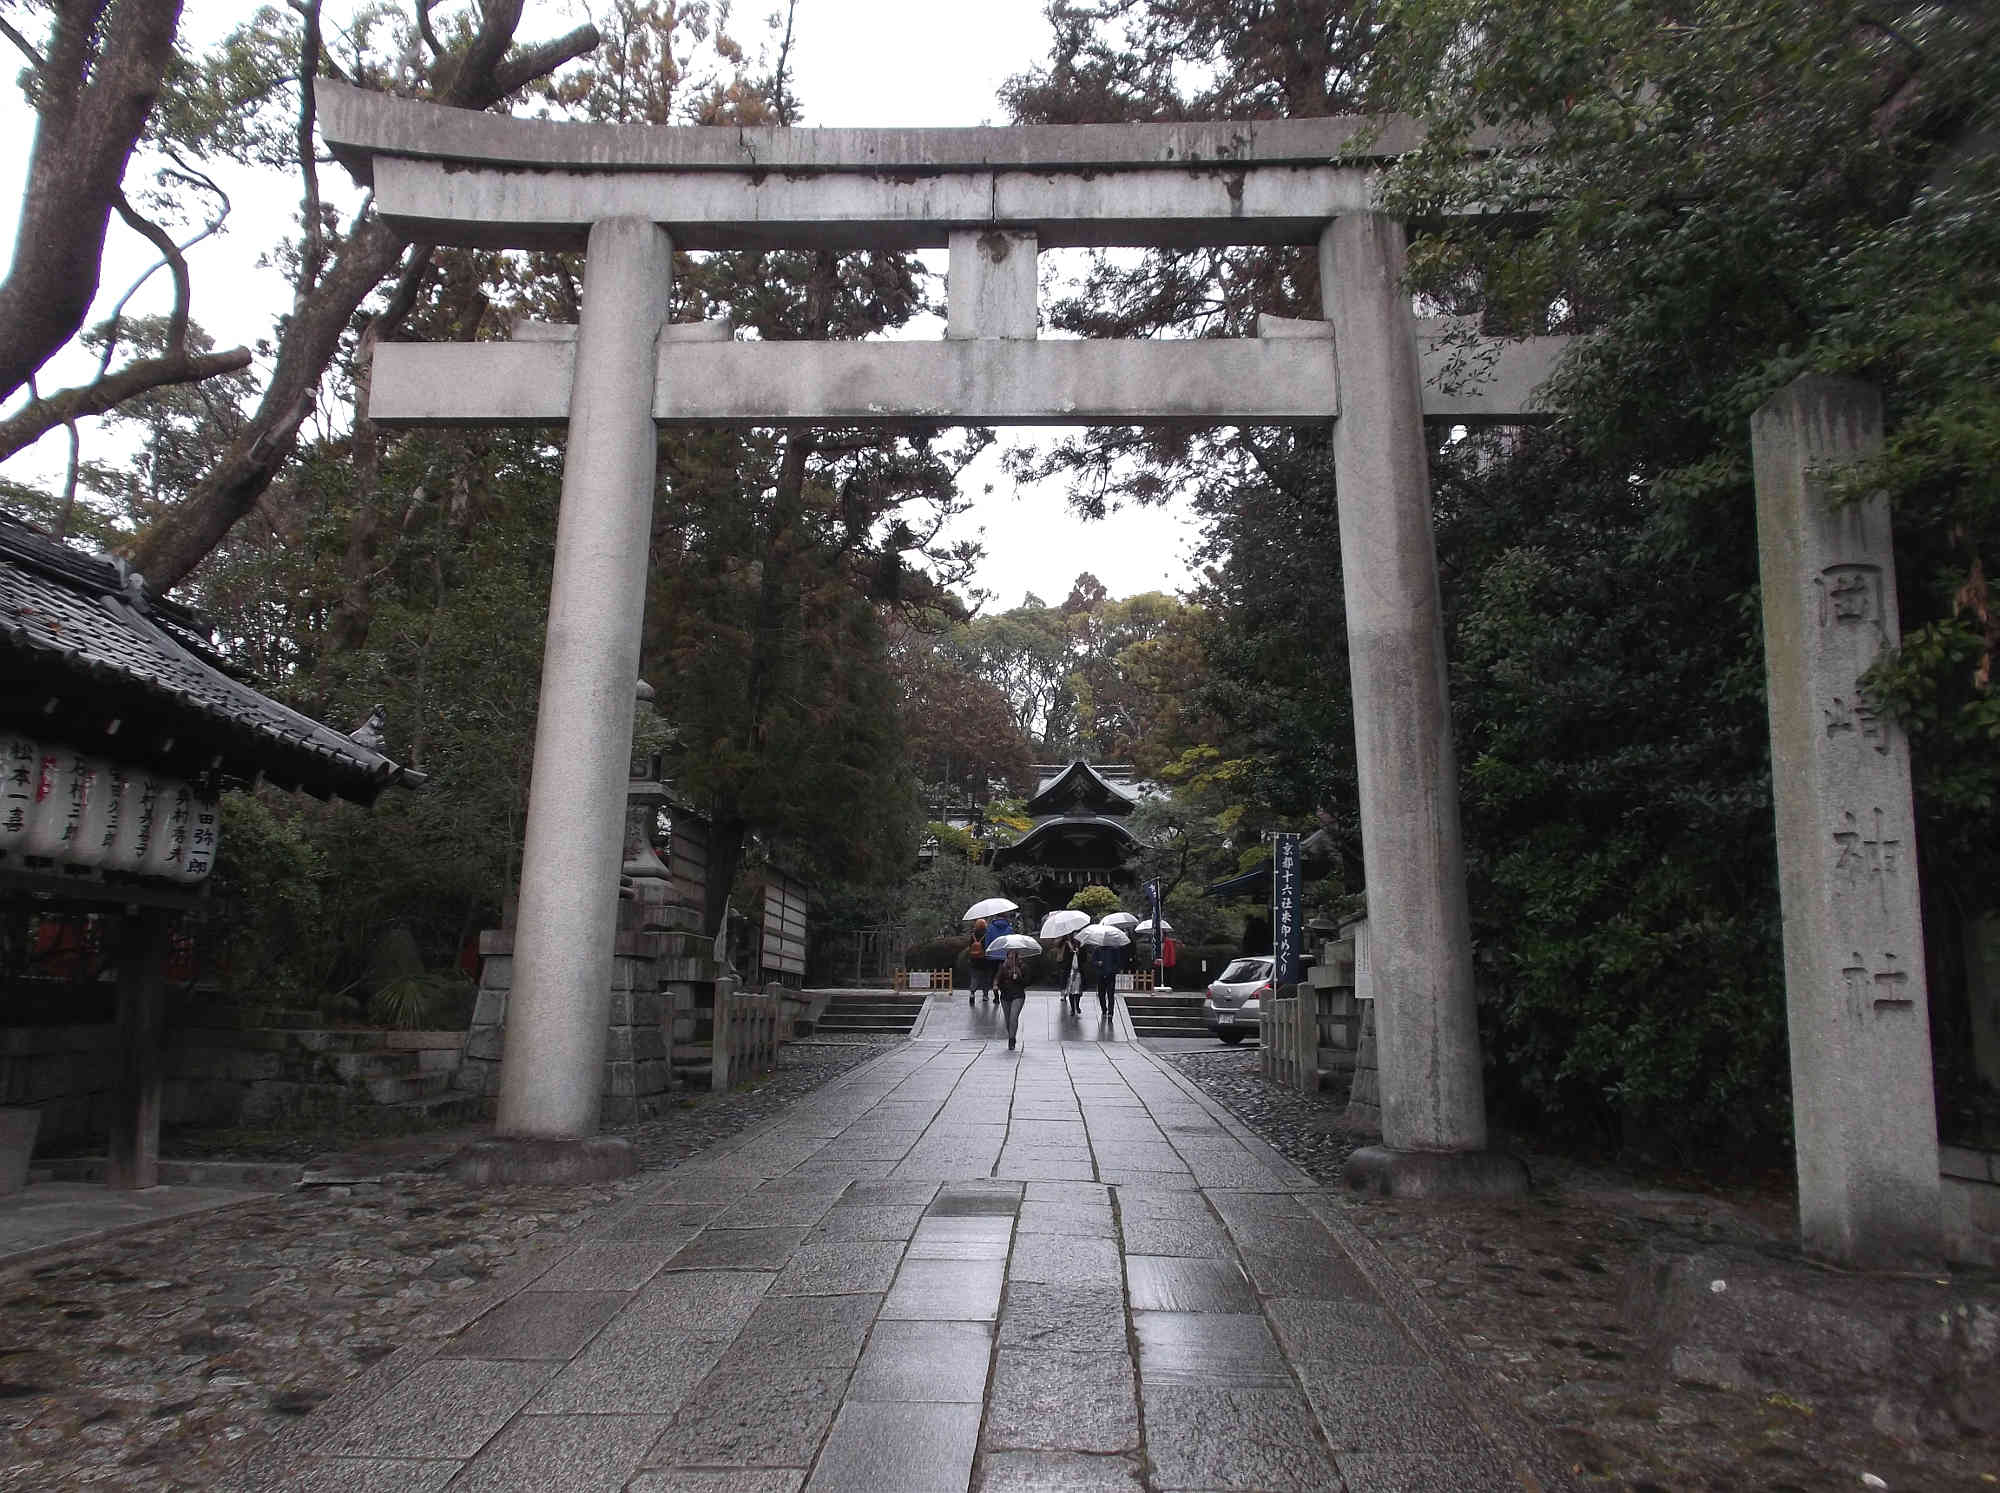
[1287, 931]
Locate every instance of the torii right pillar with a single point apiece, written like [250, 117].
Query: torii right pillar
[1857, 1008]
[1419, 928]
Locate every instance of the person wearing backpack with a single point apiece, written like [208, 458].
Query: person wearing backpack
[997, 928]
[982, 967]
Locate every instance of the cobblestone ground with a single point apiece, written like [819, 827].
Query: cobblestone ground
[144, 1362]
[1535, 1291]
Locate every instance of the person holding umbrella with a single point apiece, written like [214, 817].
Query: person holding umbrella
[999, 926]
[1064, 927]
[1109, 962]
[989, 922]
[1013, 982]
[1013, 950]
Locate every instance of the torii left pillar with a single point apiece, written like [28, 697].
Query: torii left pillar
[553, 1058]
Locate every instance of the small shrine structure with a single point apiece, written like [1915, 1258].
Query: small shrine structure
[119, 726]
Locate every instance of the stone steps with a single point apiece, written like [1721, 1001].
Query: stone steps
[1166, 1015]
[871, 1011]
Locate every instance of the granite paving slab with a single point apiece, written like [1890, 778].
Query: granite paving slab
[709, 1306]
[826, 1331]
[1155, 1235]
[754, 1415]
[630, 1368]
[718, 1480]
[1081, 1219]
[839, 1269]
[1205, 1349]
[944, 1361]
[1086, 1318]
[1168, 1283]
[623, 1266]
[884, 1446]
[738, 1249]
[562, 1454]
[1224, 1436]
[1326, 1275]
[445, 1408]
[1054, 1400]
[847, 1224]
[946, 1291]
[1054, 1258]
[537, 1324]
[1348, 1333]
[1058, 1472]
[370, 1475]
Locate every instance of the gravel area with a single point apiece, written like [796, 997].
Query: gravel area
[152, 1360]
[1303, 1128]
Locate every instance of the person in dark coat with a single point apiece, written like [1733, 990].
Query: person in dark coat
[1109, 962]
[997, 928]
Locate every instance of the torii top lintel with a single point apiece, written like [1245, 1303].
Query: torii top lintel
[462, 177]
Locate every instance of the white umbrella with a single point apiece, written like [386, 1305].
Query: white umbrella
[1103, 933]
[1062, 924]
[988, 908]
[1121, 920]
[1147, 927]
[1013, 943]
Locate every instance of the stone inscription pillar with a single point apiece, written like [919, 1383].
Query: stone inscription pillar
[1419, 929]
[1847, 871]
[552, 1071]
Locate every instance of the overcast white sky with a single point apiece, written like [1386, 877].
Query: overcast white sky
[855, 63]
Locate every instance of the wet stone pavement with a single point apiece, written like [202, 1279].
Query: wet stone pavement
[956, 1267]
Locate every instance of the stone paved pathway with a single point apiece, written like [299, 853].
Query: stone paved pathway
[957, 1267]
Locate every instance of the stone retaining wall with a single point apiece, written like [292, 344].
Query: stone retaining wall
[221, 1075]
[1970, 1204]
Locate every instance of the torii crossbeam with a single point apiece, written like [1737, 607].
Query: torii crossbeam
[994, 198]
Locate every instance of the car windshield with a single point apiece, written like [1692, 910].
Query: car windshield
[1242, 971]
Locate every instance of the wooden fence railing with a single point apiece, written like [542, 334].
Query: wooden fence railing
[923, 979]
[1291, 1041]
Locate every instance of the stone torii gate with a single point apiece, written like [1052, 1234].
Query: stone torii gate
[628, 196]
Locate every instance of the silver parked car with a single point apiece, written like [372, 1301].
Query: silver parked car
[1235, 1005]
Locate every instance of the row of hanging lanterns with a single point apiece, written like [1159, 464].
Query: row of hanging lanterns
[62, 805]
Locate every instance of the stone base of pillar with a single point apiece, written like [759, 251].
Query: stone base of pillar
[638, 1076]
[525, 1158]
[1436, 1174]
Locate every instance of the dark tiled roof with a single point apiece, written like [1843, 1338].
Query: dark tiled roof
[1031, 846]
[84, 625]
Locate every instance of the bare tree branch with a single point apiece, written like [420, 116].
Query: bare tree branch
[38, 417]
[28, 51]
[313, 252]
[170, 256]
[183, 538]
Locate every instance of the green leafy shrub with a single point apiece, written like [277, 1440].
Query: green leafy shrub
[1095, 900]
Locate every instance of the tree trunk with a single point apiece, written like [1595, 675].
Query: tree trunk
[94, 103]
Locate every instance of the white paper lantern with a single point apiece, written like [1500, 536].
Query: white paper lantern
[85, 843]
[48, 814]
[138, 801]
[204, 835]
[20, 760]
[173, 818]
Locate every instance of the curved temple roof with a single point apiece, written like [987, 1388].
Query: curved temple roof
[108, 667]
